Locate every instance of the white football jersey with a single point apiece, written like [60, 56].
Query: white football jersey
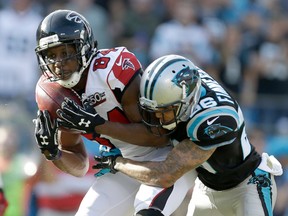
[110, 72]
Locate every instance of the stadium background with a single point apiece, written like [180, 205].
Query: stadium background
[243, 44]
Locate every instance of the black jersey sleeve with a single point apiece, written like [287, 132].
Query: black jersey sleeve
[214, 127]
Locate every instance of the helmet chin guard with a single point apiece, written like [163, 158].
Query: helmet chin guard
[170, 127]
[71, 81]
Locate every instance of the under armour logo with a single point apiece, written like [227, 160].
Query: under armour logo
[44, 138]
[83, 122]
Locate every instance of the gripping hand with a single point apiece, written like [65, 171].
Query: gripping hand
[106, 161]
[46, 135]
[83, 119]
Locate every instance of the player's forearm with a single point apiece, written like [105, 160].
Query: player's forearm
[73, 164]
[150, 173]
[74, 158]
[184, 157]
[135, 133]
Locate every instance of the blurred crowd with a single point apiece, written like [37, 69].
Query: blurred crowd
[243, 44]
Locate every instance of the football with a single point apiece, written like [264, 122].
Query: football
[50, 95]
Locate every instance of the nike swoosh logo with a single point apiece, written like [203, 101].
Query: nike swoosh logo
[213, 120]
[119, 63]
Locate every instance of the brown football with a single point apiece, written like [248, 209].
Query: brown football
[50, 95]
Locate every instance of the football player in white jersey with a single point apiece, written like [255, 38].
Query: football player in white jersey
[108, 82]
[208, 128]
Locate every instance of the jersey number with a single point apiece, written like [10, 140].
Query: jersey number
[101, 63]
[207, 102]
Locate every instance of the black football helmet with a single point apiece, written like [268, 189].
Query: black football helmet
[65, 27]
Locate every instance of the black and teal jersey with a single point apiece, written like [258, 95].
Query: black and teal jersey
[218, 122]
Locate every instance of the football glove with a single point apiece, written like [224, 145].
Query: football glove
[83, 119]
[46, 135]
[3, 202]
[106, 161]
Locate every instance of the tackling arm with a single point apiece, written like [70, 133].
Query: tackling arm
[183, 158]
[135, 132]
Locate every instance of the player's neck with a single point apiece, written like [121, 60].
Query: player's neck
[80, 87]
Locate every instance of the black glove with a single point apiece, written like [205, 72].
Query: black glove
[46, 135]
[107, 163]
[78, 118]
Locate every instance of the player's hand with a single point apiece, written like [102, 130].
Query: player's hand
[46, 135]
[3, 202]
[83, 119]
[106, 161]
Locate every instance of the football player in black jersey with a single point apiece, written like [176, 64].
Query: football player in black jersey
[207, 128]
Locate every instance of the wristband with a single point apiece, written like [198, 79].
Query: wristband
[53, 157]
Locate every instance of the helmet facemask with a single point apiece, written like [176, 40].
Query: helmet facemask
[157, 124]
[83, 56]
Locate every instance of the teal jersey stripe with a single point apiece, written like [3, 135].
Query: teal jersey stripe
[196, 121]
[265, 192]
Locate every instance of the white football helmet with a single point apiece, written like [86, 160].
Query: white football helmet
[170, 82]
